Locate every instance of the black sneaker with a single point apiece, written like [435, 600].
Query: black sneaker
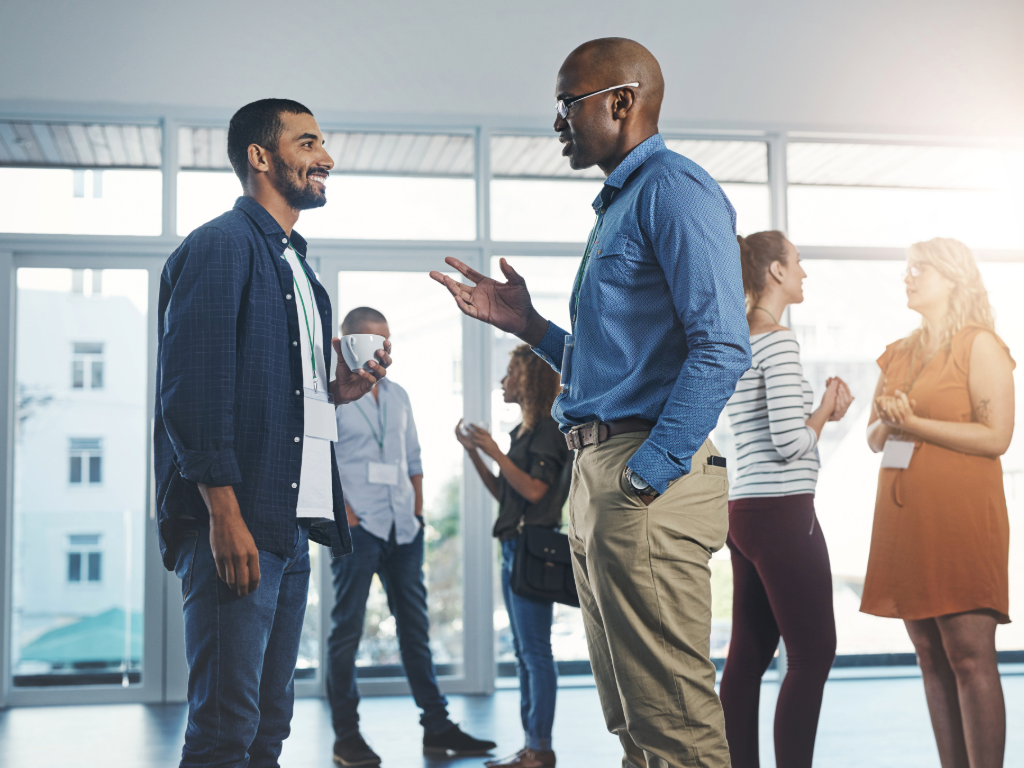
[354, 751]
[455, 742]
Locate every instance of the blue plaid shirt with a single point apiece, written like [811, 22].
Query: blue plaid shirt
[229, 400]
[660, 328]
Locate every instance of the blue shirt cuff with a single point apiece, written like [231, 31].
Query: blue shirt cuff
[552, 346]
[415, 468]
[656, 467]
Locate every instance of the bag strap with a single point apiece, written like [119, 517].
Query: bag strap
[529, 468]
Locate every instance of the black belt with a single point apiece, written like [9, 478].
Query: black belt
[599, 431]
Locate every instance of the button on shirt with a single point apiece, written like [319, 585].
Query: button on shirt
[315, 475]
[380, 506]
[228, 374]
[660, 326]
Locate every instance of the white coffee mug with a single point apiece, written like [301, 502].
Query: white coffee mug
[360, 348]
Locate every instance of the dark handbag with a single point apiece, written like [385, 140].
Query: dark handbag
[542, 566]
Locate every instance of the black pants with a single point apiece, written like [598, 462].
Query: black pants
[782, 584]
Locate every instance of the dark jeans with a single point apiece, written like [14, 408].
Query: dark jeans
[400, 567]
[782, 584]
[531, 638]
[241, 655]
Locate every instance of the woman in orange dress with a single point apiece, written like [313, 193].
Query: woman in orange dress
[943, 414]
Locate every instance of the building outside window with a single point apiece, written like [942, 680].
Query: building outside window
[86, 464]
[87, 365]
[85, 560]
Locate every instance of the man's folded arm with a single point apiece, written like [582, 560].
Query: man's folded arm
[197, 356]
[695, 242]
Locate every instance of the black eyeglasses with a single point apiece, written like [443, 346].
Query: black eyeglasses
[562, 106]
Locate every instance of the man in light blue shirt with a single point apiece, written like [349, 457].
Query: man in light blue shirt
[379, 462]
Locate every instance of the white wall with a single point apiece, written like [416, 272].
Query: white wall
[920, 66]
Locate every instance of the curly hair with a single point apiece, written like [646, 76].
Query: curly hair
[538, 385]
[968, 301]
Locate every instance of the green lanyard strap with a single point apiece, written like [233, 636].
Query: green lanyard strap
[305, 314]
[378, 439]
[578, 282]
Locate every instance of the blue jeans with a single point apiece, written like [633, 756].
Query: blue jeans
[400, 567]
[241, 654]
[531, 639]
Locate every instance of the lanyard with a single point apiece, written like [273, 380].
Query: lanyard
[924, 364]
[305, 314]
[578, 282]
[378, 439]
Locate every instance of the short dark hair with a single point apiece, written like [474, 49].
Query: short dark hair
[258, 123]
[359, 316]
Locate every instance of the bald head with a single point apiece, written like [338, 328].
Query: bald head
[603, 128]
[615, 60]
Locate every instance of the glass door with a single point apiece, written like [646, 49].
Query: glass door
[81, 435]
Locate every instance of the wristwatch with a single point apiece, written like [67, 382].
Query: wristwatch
[640, 486]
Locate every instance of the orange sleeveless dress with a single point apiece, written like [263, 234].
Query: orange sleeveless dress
[941, 537]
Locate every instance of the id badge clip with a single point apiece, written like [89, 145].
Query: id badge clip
[897, 454]
[319, 418]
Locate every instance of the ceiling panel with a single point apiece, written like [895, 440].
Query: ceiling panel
[77, 145]
[903, 165]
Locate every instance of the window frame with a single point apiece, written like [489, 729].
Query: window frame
[164, 676]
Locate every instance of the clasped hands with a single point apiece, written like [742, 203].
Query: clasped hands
[477, 438]
[896, 410]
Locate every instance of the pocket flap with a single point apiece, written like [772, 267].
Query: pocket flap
[611, 244]
[547, 544]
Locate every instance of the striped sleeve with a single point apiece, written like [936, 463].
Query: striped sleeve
[783, 381]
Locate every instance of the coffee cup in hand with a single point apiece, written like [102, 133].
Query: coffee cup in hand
[360, 348]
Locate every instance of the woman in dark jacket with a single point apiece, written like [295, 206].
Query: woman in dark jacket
[530, 489]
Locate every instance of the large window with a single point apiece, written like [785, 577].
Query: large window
[78, 528]
[426, 334]
[384, 186]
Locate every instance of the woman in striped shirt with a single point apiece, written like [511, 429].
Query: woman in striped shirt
[782, 581]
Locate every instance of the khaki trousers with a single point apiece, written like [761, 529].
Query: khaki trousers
[645, 592]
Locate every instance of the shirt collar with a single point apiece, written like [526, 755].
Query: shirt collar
[617, 179]
[269, 224]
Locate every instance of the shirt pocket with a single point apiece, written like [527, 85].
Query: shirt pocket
[612, 244]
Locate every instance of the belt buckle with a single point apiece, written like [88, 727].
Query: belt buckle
[573, 439]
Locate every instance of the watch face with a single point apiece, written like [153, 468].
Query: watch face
[636, 481]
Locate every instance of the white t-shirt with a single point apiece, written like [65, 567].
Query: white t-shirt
[316, 498]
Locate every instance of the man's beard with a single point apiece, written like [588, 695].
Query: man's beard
[287, 181]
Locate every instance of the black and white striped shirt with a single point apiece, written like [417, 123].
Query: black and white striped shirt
[776, 452]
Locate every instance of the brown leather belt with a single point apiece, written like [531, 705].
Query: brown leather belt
[598, 432]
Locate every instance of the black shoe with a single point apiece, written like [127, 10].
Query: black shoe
[354, 751]
[456, 742]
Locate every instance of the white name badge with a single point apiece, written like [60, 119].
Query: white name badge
[897, 454]
[319, 416]
[382, 474]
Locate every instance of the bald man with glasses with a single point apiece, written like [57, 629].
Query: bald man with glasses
[659, 339]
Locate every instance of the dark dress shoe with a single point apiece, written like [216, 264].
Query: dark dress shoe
[527, 758]
[455, 742]
[354, 751]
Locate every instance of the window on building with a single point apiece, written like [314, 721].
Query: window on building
[86, 461]
[84, 549]
[87, 365]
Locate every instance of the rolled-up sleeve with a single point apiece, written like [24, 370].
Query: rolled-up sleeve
[552, 346]
[198, 354]
[412, 443]
[694, 239]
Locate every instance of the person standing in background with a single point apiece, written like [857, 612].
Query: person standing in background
[942, 416]
[782, 580]
[659, 341]
[379, 463]
[530, 490]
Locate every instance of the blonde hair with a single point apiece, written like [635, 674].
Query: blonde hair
[968, 301]
[538, 385]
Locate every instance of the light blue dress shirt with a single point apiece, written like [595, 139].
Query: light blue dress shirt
[660, 326]
[379, 507]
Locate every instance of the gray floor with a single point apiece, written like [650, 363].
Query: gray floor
[876, 723]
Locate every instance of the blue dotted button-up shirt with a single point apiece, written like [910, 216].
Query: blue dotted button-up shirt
[660, 329]
[229, 401]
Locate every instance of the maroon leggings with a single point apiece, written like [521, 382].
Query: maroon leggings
[782, 583]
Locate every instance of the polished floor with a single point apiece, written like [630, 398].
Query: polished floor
[874, 723]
